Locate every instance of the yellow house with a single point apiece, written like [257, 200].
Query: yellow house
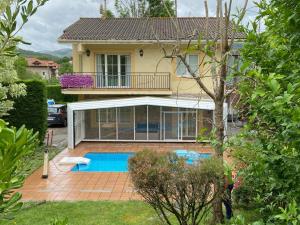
[128, 90]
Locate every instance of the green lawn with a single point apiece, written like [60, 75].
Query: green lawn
[87, 213]
[93, 213]
[36, 159]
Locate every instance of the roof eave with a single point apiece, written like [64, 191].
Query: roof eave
[70, 41]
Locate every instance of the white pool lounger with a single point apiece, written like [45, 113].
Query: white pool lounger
[74, 160]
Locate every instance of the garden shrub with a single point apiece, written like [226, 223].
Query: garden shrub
[243, 196]
[31, 110]
[173, 188]
[54, 92]
[14, 146]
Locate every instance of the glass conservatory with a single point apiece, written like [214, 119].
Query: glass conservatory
[143, 119]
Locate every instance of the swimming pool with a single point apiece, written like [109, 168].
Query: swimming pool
[192, 156]
[105, 162]
[118, 161]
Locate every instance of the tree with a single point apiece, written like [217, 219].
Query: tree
[145, 8]
[159, 8]
[9, 28]
[268, 150]
[216, 49]
[14, 145]
[133, 8]
[20, 65]
[65, 67]
[8, 87]
[170, 185]
[106, 13]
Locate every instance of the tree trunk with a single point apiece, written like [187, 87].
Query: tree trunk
[219, 186]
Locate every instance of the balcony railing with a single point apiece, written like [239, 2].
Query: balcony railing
[137, 80]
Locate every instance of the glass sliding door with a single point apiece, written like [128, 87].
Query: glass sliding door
[154, 123]
[91, 124]
[171, 126]
[126, 123]
[141, 120]
[100, 71]
[108, 124]
[205, 121]
[189, 123]
[113, 70]
[125, 76]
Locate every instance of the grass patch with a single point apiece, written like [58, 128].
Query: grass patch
[94, 213]
[86, 213]
[35, 160]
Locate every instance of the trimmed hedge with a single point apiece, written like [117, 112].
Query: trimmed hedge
[54, 92]
[31, 110]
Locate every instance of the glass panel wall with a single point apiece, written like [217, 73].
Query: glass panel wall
[126, 123]
[171, 124]
[141, 122]
[208, 120]
[91, 124]
[144, 123]
[108, 125]
[205, 122]
[78, 126]
[154, 122]
[189, 124]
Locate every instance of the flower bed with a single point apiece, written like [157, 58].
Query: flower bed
[76, 81]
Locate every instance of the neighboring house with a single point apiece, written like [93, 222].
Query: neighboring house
[128, 91]
[46, 68]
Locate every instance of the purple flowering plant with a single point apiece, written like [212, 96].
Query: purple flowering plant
[76, 81]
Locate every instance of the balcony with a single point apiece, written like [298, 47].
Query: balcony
[140, 83]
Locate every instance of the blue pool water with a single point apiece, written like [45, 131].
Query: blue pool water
[192, 156]
[118, 161]
[105, 162]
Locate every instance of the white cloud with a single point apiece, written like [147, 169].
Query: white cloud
[48, 23]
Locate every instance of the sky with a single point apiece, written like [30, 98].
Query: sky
[48, 23]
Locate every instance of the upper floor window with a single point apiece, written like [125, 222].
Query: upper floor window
[192, 61]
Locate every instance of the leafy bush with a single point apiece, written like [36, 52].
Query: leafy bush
[14, 145]
[54, 92]
[31, 110]
[22, 71]
[171, 186]
[243, 196]
[289, 215]
[53, 81]
[269, 98]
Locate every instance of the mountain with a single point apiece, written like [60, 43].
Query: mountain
[39, 55]
[64, 52]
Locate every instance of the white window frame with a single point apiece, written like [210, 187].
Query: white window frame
[118, 54]
[186, 73]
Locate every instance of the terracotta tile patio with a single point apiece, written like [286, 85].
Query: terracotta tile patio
[64, 185]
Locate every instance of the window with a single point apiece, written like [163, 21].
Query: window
[193, 62]
[113, 70]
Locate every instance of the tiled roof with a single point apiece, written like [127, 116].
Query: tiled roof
[134, 29]
[34, 62]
